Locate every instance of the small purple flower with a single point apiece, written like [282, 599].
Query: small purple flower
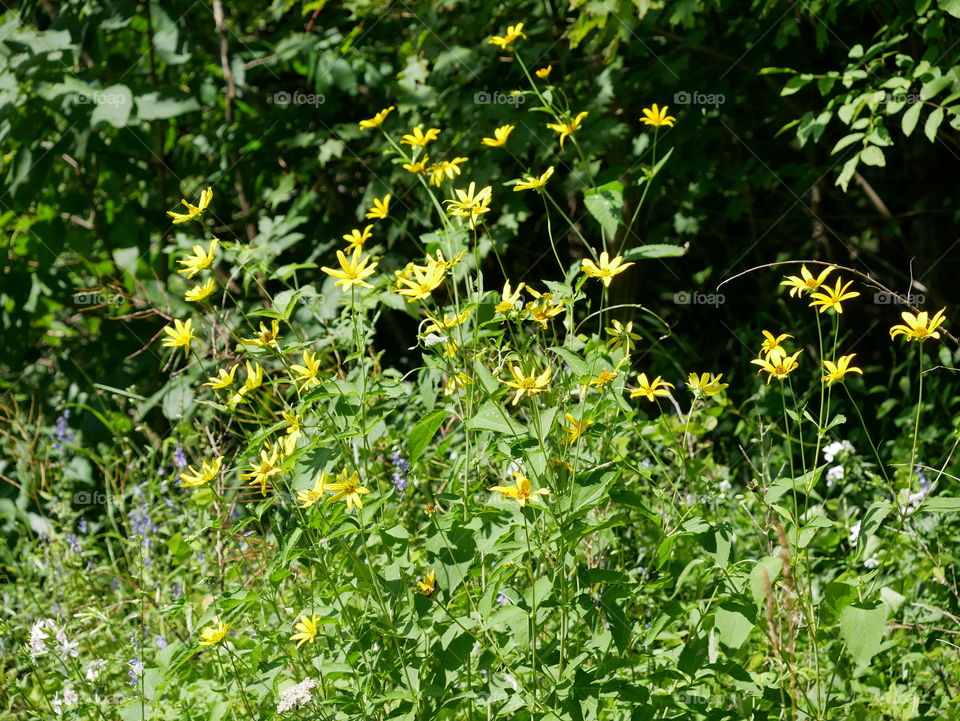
[175, 590]
[401, 469]
[82, 525]
[73, 543]
[160, 641]
[136, 668]
[502, 598]
[62, 434]
[179, 459]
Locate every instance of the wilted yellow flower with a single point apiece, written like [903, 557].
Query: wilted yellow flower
[500, 136]
[307, 373]
[576, 428]
[513, 32]
[605, 268]
[530, 384]
[208, 471]
[777, 365]
[919, 326]
[377, 120]
[836, 371]
[380, 209]
[445, 170]
[419, 139]
[348, 487]
[417, 167]
[650, 389]
[508, 299]
[355, 238]
[266, 468]
[530, 182]
[544, 73]
[706, 384]
[254, 377]
[833, 297]
[313, 495]
[657, 117]
[266, 337]
[457, 382]
[424, 280]
[470, 203]
[200, 259]
[520, 491]
[569, 127]
[429, 583]
[212, 635]
[193, 211]
[437, 325]
[223, 379]
[621, 336]
[353, 271]
[199, 292]
[306, 629]
[181, 334]
[806, 283]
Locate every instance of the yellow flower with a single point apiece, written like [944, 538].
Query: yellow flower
[470, 203]
[208, 471]
[657, 117]
[307, 373]
[650, 389]
[425, 280]
[254, 377]
[777, 365]
[199, 292]
[450, 349]
[267, 337]
[353, 271]
[313, 495]
[520, 491]
[457, 382]
[513, 32]
[833, 297]
[544, 73]
[919, 326]
[356, 239]
[223, 379]
[543, 310]
[418, 167]
[445, 170]
[193, 211]
[500, 137]
[507, 299]
[266, 468]
[429, 583]
[377, 120]
[530, 182]
[605, 269]
[530, 384]
[622, 336]
[419, 139]
[836, 371]
[706, 384]
[380, 209]
[212, 635]
[602, 379]
[349, 488]
[567, 128]
[181, 334]
[200, 260]
[771, 343]
[306, 629]
[293, 424]
[437, 325]
[806, 283]
[576, 428]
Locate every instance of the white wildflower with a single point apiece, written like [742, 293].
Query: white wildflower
[296, 696]
[871, 562]
[834, 474]
[38, 637]
[60, 703]
[65, 647]
[831, 450]
[92, 670]
[854, 533]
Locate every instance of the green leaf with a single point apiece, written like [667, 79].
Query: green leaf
[165, 103]
[794, 84]
[951, 7]
[733, 623]
[655, 250]
[872, 155]
[941, 504]
[578, 365]
[764, 574]
[933, 124]
[494, 417]
[606, 205]
[862, 627]
[423, 433]
[114, 105]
